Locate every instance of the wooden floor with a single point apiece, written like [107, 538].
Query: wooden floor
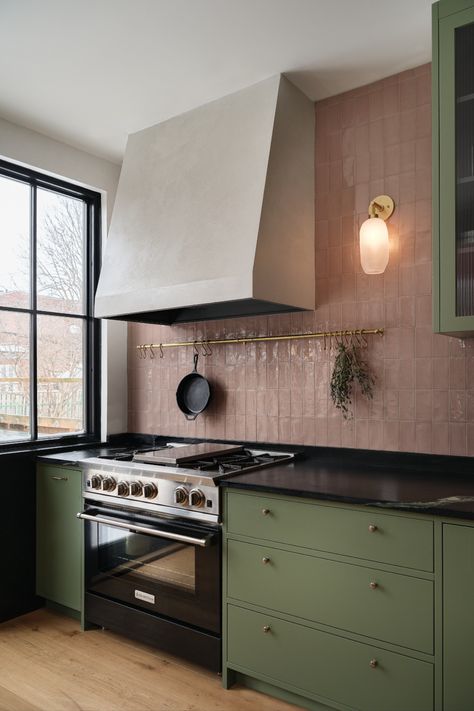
[48, 664]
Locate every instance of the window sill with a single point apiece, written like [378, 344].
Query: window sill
[49, 446]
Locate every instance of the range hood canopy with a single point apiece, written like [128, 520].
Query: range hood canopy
[214, 214]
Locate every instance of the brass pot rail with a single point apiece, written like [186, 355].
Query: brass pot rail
[359, 333]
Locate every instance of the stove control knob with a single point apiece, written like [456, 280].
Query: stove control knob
[150, 491]
[108, 483]
[136, 488]
[196, 497]
[123, 488]
[181, 495]
[95, 482]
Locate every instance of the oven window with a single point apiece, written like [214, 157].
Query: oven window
[134, 555]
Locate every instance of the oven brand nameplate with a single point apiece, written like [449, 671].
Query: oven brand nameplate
[146, 597]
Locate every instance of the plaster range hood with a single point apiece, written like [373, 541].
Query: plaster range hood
[214, 214]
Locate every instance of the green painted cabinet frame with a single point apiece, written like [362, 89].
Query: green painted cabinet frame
[458, 594]
[452, 577]
[59, 536]
[447, 16]
[353, 647]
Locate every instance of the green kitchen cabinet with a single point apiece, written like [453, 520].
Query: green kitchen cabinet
[58, 535]
[458, 597]
[453, 167]
[338, 670]
[332, 606]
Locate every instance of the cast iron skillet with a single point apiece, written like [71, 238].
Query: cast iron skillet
[193, 393]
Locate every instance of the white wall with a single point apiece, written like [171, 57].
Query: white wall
[29, 148]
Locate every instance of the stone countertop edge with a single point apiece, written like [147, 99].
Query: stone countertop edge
[380, 487]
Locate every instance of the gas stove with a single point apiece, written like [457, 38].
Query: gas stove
[176, 479]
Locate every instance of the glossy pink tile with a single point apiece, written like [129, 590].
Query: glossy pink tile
[391, 434]
[440, 437]
[423, 373]
[407, 436]
[440, 405]
[423, 405]
[423, 436]
[457, 438]
[408, 98]
[457, 406]
[406, 404]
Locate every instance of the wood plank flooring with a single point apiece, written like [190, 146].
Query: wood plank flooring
[48, 664]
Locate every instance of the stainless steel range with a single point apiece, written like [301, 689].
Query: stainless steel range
[152, 542]
[176, 479]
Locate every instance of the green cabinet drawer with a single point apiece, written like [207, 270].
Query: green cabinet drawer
[58, 535]
[333, 668]
[369, 535]
[364, 601]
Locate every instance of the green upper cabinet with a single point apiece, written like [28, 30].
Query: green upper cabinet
[453, 167]
[58, 535]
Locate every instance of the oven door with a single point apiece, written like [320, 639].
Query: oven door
[157, 564]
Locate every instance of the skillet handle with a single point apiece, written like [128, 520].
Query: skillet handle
[196, 358]
[190, 417]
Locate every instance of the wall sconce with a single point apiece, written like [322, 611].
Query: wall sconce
[373, 236]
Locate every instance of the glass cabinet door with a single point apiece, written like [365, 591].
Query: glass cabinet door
[464, 140]
[453, 177]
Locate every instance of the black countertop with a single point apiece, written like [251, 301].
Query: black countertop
[445, 488]
[439, 485]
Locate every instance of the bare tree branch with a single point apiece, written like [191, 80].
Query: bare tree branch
[61, 252]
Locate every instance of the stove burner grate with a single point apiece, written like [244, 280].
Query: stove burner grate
[229, 463]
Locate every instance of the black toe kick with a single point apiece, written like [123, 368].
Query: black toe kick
[199, 647]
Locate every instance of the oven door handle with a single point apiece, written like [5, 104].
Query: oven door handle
[202, 542]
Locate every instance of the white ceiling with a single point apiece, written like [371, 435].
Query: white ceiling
[88, 72]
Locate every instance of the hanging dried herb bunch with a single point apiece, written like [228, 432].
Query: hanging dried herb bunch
[349, 368]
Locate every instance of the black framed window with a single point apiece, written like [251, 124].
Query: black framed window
[49, 339]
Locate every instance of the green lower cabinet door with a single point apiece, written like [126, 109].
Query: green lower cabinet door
[458, 583]
[58, 535]
[326, 666]
[386, 606]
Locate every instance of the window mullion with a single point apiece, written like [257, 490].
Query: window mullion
[33, 319]
[89, 340]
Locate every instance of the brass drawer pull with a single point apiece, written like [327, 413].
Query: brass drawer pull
[267, 628]
[59, 478]
[265, 512]
[265, 560]
[373, 663]
[372, 528]
[373, 585]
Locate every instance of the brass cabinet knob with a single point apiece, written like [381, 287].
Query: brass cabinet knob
[373, 663]
[265, 512]
[266, 628]
[265, 560]
[372, 527]
[373, 585]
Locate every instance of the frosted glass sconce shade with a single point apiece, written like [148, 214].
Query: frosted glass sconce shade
[374, 247]
[373, 236]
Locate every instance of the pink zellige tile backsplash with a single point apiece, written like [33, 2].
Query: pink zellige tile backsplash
[370, 141]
